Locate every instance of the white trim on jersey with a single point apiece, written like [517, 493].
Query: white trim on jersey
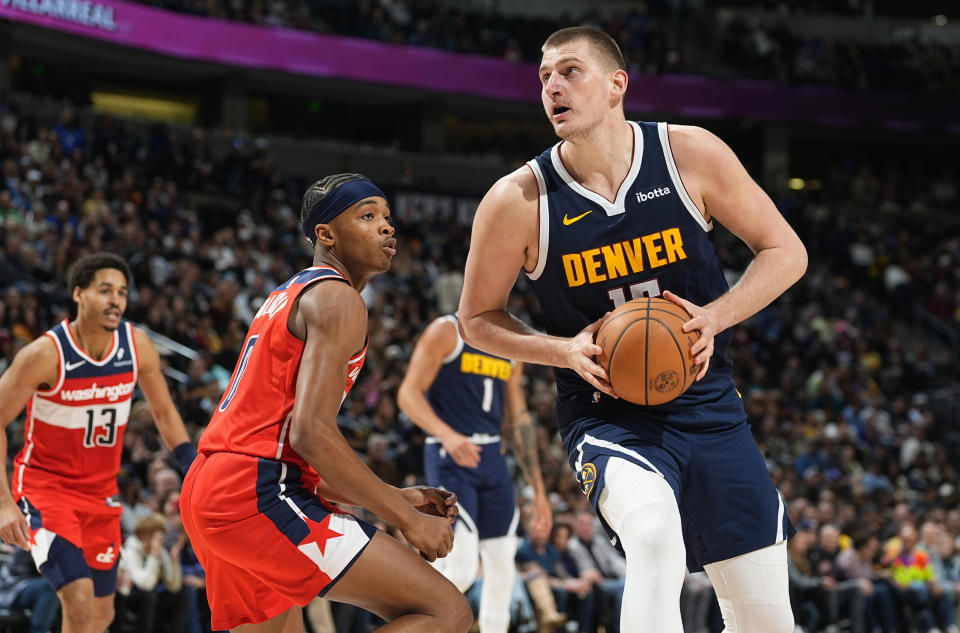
[543, 209]
[61, 365]
[28, 445]
[459, 346]
[76, 347]
[610, 208]
[589, 439]
[74, 416]
[286, 425]
[133, 351]
[677, 182]
[779, 517]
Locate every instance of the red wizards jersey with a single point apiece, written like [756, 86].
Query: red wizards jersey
[254, 416]
[74, 430]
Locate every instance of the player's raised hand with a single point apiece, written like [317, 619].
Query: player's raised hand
[705, 322]
[464, 452]
[580, 354]
[432, 535]
[13, 525]
[434, 501]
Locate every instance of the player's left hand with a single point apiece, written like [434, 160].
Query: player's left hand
[705, 322]
[429, 500]
[542, 513]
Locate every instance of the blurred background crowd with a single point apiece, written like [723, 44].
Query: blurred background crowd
[850, 380]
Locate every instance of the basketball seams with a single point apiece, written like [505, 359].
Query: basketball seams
[613, 349]
[646, 356]
[664, 314]
[683, 361]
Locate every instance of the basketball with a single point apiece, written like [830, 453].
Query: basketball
[645, 351]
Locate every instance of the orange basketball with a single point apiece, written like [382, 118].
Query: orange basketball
[645, 351]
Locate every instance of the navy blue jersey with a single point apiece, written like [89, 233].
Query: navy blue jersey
[595, 254]
[467, 393]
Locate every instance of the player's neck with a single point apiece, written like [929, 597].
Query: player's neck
[329, 258]
[94, 340]
[600, 159]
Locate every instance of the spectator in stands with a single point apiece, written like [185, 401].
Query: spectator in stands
[537, 556]
[146, 570]
[842, 594]
[22, 588]
[573, 587]
[858, 562]
[591, 551]
[806, 590]
[915, 583]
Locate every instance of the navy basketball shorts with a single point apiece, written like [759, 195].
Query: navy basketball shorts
[728, 504]
[485, 493]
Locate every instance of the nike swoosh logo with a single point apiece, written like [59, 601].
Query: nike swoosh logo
[568, 221]
[72, 366]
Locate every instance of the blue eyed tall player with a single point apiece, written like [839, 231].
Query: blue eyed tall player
[619, 210]
[459, 395]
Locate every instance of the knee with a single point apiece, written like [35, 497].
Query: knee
[79, 613]
[653, 533]
[104, 615]
[459, 617]
[754, 618]
[780, 621]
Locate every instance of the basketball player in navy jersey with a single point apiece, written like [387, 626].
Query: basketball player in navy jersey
[618, 210]
[458, 395]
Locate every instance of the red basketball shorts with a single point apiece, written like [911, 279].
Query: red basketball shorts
[266, 543]
[91, 525]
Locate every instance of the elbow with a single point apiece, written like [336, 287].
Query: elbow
[800, 261]
[468, 331]
[299, 437]
[404, 396]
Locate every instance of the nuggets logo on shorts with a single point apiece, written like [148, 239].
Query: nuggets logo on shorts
[587, 477]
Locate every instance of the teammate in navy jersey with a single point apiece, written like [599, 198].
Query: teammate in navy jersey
[458, 395]
[77, 381]
[620, 210]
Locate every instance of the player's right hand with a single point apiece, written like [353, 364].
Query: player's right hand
[464, 452]
[580, 354]
[13, 525]
[433, 536]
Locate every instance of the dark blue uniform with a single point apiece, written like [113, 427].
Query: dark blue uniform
[595, 254]
[467, 394]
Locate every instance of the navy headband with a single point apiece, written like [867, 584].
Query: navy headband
[338, 201]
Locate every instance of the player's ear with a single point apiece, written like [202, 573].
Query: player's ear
[324, 234]
[618, 86]
[76, 293]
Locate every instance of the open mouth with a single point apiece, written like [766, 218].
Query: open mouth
[390, 246]
[558, 110]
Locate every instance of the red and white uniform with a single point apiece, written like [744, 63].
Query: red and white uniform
[265, 539]
[67, 469]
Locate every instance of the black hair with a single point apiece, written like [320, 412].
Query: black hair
[600, 41]
[85, 269]
[319, 190]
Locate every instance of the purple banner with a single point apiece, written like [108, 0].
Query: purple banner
[308, 53]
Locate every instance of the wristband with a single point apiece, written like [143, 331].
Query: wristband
[185, 454]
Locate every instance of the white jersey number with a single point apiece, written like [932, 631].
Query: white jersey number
[649, 288]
